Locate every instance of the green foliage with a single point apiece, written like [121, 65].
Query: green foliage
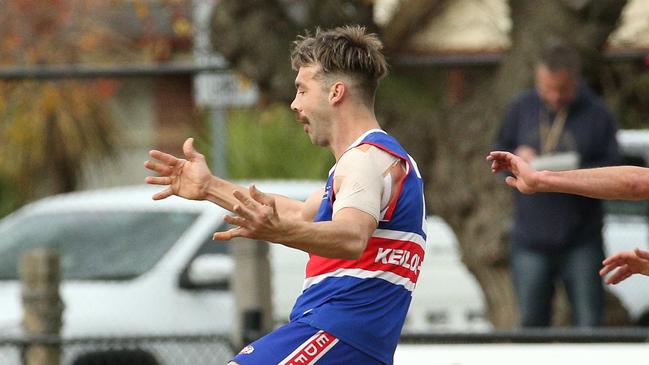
[9, 196]
[269, 143]
[407, 88]
[48, 129]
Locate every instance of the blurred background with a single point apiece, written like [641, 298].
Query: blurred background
[87, 87]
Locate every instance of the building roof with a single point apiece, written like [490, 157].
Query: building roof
[483, 26]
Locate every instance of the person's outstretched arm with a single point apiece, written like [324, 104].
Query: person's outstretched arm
[259, 215]
[625, 264]
[613, 182]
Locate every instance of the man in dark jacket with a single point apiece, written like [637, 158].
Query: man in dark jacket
[559, 125]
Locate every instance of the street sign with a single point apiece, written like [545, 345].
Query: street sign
[216, 90]
[220, 90]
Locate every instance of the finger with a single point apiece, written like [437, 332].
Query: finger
[227, 235]
[262, 197]
[189, 151]
[511, 181]
[497, 166]
[158, 180]
[618, 259]
[237, 221]
[611, 259]
[619, 275]
[222, 236]
[242, 212]
[617, 278]
[159, 168]
[498, 155]
[641, 253]
[163, 194]
[166, 158]
[607, 269]
[246, 200]
[506, 158]
[188, 148]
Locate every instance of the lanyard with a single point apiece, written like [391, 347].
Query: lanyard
[549, 135]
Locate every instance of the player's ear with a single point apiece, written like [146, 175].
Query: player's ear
[337, 92]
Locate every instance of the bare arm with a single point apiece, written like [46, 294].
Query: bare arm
[353, 221]
[259, 215]
[190, 178]
[344, 237]
[613, 182]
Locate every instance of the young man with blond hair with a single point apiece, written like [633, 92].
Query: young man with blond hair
[364, 231]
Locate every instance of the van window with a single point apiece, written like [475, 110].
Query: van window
[106, 245]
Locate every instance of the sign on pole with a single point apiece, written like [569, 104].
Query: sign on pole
[216, 90]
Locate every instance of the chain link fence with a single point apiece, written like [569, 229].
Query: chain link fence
[154, 350]
[215, 349]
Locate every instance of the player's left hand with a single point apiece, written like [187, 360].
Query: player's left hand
[256, 217]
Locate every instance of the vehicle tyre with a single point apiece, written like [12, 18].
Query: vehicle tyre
[643, 320]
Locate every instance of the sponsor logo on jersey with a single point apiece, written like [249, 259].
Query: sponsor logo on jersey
[399, 257]
[311, 350]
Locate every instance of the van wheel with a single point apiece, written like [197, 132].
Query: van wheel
[643, 320]
[116, 357]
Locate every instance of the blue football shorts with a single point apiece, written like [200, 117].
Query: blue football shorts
[298, 343]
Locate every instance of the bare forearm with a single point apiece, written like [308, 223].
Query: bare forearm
[220, 191]
[332, 239]
[257, 217]
[616, 182]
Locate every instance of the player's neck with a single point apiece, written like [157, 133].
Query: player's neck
[349, 127]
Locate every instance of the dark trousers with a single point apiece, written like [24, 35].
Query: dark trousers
[535, 273]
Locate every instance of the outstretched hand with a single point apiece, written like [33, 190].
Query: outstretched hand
[187, 178]
[256, 217]
[524, 176]
[625, 264]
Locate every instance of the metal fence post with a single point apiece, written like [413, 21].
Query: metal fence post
[42, 305]
[251, 287]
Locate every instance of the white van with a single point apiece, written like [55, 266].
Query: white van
[127, 264]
